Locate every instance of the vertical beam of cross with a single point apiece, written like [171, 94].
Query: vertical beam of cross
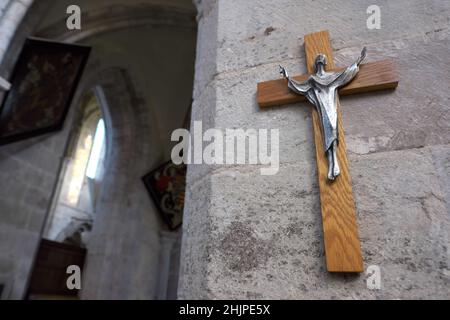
[342, 246]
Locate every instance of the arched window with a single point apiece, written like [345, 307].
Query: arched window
[80, 178]
[97, 152]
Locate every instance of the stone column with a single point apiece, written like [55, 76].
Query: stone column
[167, 241]
[252, 236]
[11, 14]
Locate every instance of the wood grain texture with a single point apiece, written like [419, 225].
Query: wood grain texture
[373, 76]
[342, 246]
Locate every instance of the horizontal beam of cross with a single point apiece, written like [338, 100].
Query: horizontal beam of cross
[373, 76]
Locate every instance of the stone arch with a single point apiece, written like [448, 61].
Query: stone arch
[123, 113]
[116, 17]
[74, 197]
[127, 156]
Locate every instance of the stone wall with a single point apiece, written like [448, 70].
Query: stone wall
[28, 169]
[252, 236]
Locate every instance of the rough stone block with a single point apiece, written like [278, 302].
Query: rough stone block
[416, 114]
[206, 59]
[268, 31]
[441, 158]
[267, 241]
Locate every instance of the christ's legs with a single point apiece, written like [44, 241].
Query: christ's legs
[336, 169]
[333, 165]
[330, 164]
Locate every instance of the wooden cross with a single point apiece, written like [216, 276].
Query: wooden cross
[342, 246]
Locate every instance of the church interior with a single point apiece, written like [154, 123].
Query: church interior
[93, 205]
[76, 194]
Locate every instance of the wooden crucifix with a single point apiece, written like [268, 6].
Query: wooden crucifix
[342, 246]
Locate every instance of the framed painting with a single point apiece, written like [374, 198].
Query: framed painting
[166, 186]
[44, 81]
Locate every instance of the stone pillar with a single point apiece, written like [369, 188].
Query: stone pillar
[167, 241]
[252, 236]
[29, 167]
[11, 14]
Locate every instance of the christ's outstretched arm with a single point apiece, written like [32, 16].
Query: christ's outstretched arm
[298, 87]
[349, 74]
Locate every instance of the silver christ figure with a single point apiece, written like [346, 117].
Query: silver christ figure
[321, 89]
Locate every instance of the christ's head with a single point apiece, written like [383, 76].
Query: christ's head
[320, 63]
